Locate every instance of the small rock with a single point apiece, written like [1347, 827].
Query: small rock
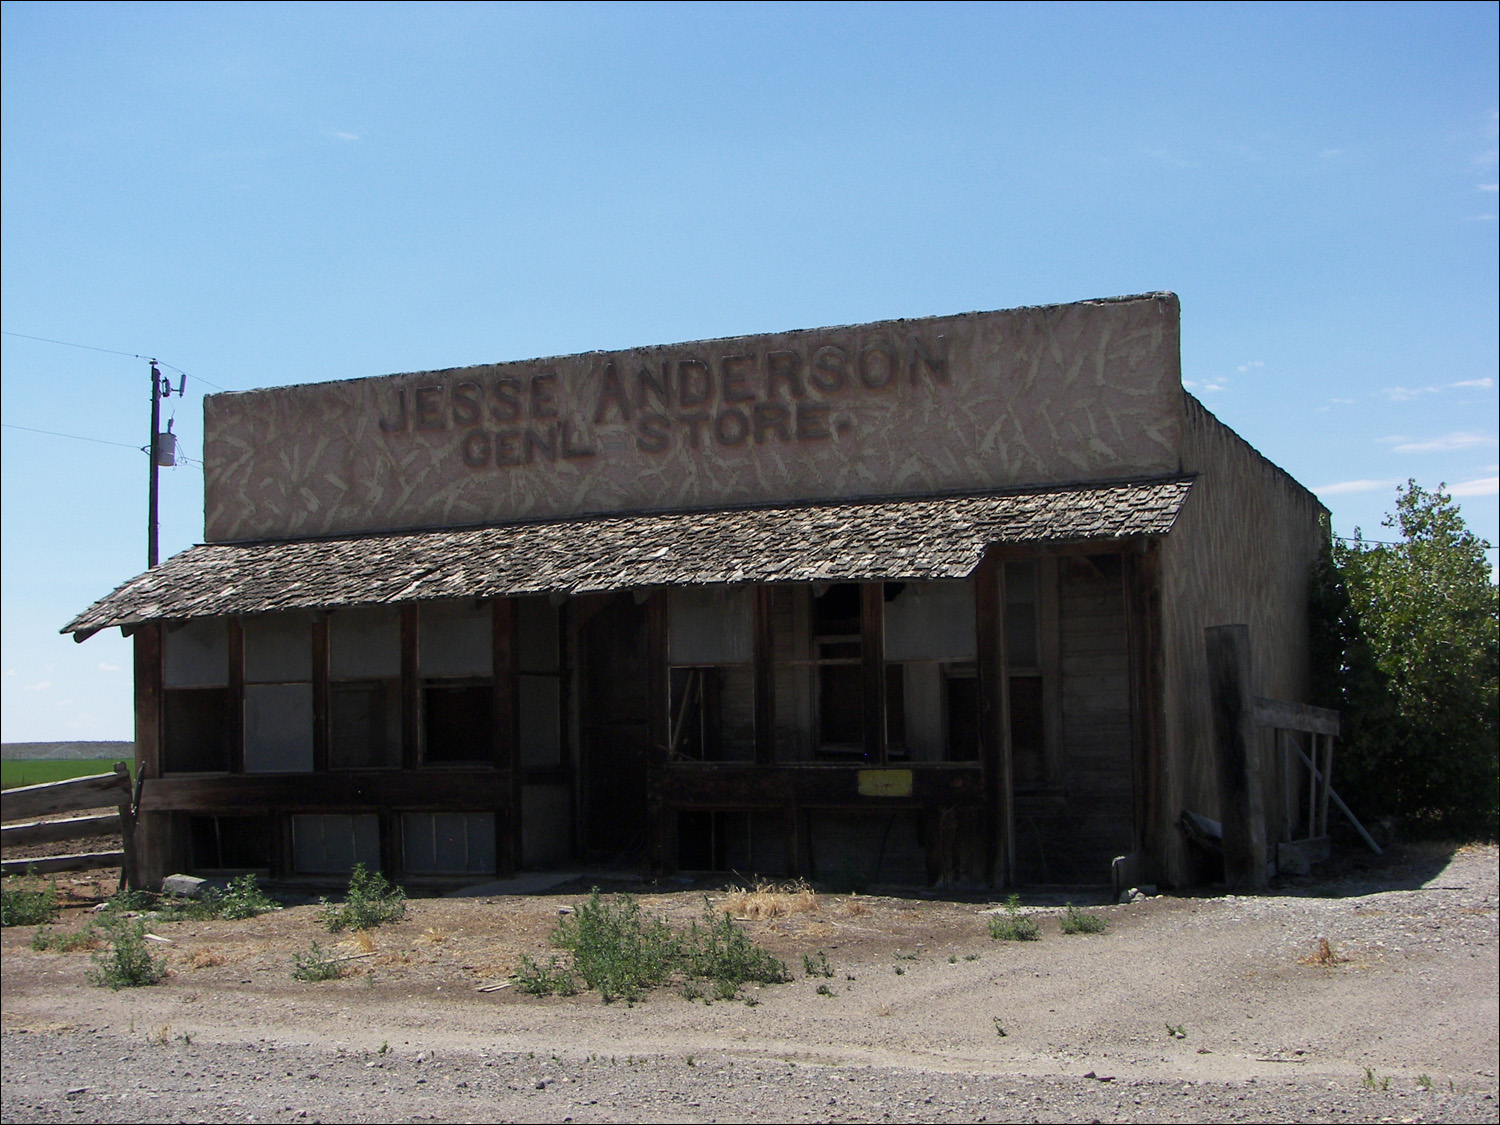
[188, 886]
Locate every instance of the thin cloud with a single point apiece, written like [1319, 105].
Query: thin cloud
[1406, 394]
[1344, 401]
[1242, 368]
[109, 667]
[1214, 386]
[346, 137]
[1483, 384]
[42, 686]
[1355, 486]
[1488, 187]
[1483, 486]
[1446, 444]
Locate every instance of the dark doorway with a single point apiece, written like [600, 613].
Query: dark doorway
[616, 728]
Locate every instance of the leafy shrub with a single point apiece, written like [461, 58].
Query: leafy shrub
[127, 963]
[1013, 925]
[1406, 646]
[617, 950]
[316, 965]
[551, 979]
[27, 906]
[721, 952]
[1075, 921]
[371, 901]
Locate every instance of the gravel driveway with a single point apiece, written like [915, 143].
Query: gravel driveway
[1186, 1008]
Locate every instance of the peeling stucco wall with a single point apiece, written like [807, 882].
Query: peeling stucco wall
[1087, 391]
[1241, 552]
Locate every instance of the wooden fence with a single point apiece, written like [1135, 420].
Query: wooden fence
[21, 807]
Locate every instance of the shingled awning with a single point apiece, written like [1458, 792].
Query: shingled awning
[941, 537]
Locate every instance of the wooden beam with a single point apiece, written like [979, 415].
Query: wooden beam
[92, 792]
[49, 864]
[50, 831]
[743, 785]
[1296, 716]
[872, 667]
[148, 676]
[336, 791]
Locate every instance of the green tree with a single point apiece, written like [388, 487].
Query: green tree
[1407, 646]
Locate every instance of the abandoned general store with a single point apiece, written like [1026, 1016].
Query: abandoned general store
[914, 602]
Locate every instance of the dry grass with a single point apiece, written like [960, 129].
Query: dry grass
[768, 900]
[852, 907]
[363, 941]
[1325, 955]
[207, 959]
[431, 936]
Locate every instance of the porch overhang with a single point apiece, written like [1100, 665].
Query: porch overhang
[939, 537]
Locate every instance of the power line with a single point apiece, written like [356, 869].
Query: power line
[96, 441]
[111, 351]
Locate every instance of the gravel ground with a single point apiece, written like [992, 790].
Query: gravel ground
[1400, 1025]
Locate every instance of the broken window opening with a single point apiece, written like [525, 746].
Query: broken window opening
[455, 655]
[711, 693]
[195, 697]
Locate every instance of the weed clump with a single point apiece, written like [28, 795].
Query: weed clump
[1075, 921]
[1325, 955]
[371, 901]
[27, 906]
[769, 900]
[46, 941]
[127, 963]
[242, 898]
[1013, 925]
[316, 964]
[615, 949]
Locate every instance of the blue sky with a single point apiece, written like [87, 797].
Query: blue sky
[291, 193]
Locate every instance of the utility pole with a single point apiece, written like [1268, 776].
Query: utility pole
[158, 453]
[151, 456]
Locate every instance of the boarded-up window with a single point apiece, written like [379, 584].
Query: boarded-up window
[712, 684]
[1025, 586]
[331, 844]
[539, 683]
[456, 659]
[195, 696]
[364, 694]
[278, 711]
[819, 679]
[448, 843]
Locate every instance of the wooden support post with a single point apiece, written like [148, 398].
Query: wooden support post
[1240, 803]
[764, 670]
[236, 696]
[506, 734]
[1312, 791]
[1141, 574]
[321, 731]
[1327, 784]
[994, 722]
[411, 691]
[872, 653]
[659, 700]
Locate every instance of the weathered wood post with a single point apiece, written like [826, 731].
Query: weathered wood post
[1240, 800]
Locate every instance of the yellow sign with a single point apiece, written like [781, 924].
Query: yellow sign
[885, 783]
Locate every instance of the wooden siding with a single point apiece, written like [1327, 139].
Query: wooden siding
[1070, 833]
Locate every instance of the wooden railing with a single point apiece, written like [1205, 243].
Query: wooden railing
[21, 807]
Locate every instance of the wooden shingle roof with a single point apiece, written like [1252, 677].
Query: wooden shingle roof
[939, 537]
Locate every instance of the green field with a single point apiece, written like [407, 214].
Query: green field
[37, 771]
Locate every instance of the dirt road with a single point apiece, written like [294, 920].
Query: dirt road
[1187, 1008]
